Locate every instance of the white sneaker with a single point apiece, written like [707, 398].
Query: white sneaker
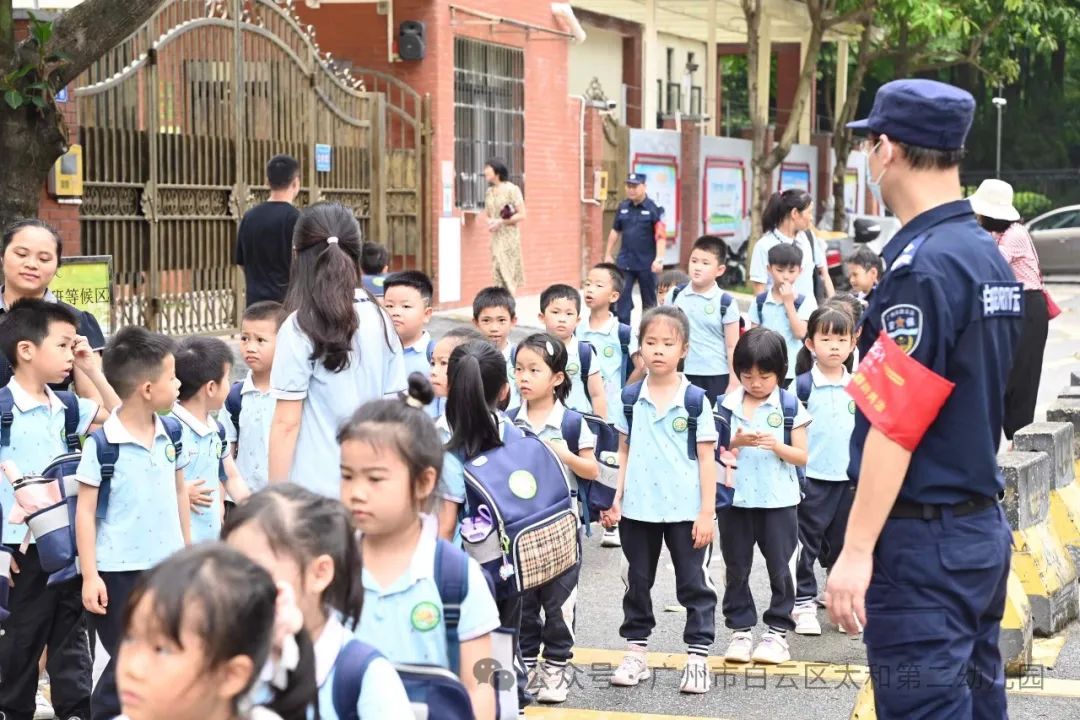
[696, 679]
[633, 669]
[553, 686]
[806, 622]
[44, 709]
[771, 650]
[738, 650]
[611, 538]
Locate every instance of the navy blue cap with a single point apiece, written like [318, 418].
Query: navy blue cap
[635, 178]
[923, 113]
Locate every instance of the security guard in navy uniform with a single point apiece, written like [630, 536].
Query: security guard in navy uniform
[926, 555]
[639, 222]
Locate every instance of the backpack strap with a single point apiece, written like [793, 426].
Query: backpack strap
[624, 345]
[7, 415]
[71, 420]
[349, 668]
[571, 430]
[675, 293]
[233, 403]
[222, 477]
[725, 301]
[452, 579]
[175, 433]
[804, 385]
[630, 395]
[760, 300]
[789, 405]
[694, 400]
[723, 424]
[799, 299]
[107, 455]
[585, 352]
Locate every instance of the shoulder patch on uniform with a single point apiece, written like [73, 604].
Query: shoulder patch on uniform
[1002, 299]
[907, 255]
[904, 324]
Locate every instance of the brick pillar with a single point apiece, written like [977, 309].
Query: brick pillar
[632, 76]
[592, 216]
[788, 57]
[689, 189]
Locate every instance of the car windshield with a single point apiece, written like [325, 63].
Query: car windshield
[1065, 219]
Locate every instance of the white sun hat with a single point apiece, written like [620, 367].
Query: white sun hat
[994, 199]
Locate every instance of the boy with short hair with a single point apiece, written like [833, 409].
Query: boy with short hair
[615, 343]
[146, 518]
[203, 365]
[779, 308]
[669, 279]
[40, 340]
[560, 311]
[374, 262]
[714, 319]
[495, 315]
[865, 269]
[407, 300]
[249, 405]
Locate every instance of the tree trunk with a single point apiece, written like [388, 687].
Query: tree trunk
[752, 10]
[29, 144]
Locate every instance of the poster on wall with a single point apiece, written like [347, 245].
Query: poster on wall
[723, 196]
[795, 176]
[662, 179]
[86, 283]
[851, 191]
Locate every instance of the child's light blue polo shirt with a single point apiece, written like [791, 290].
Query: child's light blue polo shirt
[142, 523]
[376, 369]
[833, 411]
[708, 318]
[203, 449]
[508, 353]
[551, 430]
[253, 440]
[579, 398]
[762, 479]
[381, 694]
[605, 342]
[416, 360]
[405, 619]
[663, 484]
[775, 318]
[37, 438]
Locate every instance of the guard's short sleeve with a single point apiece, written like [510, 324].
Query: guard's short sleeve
[658, 214]
[293, 367]
[617, 225]
[89, 470]
[731, 314]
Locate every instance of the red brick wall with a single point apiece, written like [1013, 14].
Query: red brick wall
[552, 233]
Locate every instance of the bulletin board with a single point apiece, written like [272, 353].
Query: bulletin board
[723, 196]
[851, 191]
[85, 282]
[795, 176]
[662, 175]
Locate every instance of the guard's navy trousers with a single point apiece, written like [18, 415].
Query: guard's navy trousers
[933, 611]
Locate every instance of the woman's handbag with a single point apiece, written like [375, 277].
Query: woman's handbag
[508, 211]
[1052, 308]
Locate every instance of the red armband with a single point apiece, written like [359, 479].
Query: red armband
[660, 230]
[897, 394]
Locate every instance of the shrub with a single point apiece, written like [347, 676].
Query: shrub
[1031, 204]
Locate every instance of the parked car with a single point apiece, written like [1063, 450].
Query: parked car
[1056, 235]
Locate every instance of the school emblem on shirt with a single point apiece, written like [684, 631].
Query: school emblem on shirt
[572, 369]
[776, 419]
[170, 452]
[425, 616]
[609, 352]
[220, 449]
[904, 324]
[710, 309]
[679, 424]
[851, 407]
[522, 484]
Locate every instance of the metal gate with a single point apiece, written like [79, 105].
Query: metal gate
[616, 163]
[177, 124]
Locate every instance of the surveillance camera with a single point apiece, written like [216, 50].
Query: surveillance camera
[611, 105]
[1000, 102]
[692, 67]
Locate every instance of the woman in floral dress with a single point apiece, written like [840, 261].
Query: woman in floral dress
[505, 209]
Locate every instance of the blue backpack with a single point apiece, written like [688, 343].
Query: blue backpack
[693, 400]
[624, 345]
[523, 527]
[224, 446]
[234, 403]
[789, 405]
[439, 690]
[585, 353]
[596, 495]
[762, 297]
[804, 385]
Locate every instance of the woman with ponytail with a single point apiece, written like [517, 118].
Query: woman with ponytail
[789, 218]
[335, 351]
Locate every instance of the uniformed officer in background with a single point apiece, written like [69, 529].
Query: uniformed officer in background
[926, 555]
[639, 223]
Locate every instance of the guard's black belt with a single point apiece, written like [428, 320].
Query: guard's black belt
[921, 511]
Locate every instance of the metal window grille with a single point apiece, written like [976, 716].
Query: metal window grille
[674, 98]
[489, 116]
[695, 101]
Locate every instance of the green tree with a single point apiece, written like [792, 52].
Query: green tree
[32, 130]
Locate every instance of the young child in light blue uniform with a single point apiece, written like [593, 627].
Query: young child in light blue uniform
[782, 311]
[440, 361]
[560, 311]
[495, 315]
[763, 510]
[407, 300]
[249, 443]
[543, 384]
[828, 492]
[666, 497]
[602, 329]
[306, 540]
[203, 365]
[40, 338]
[390, 462]
[714, 318]
[336, 352]
[147, 516]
